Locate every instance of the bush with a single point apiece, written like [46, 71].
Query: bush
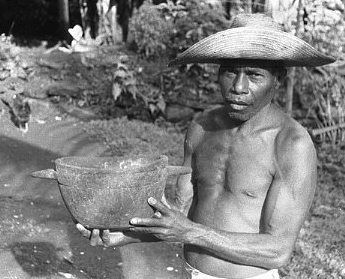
[150, 31]
[320, 89]
[199, 21]
[168, 28]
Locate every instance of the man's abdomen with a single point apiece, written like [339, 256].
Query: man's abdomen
[229, 213]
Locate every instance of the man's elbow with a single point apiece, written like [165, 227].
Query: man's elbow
[281, 259]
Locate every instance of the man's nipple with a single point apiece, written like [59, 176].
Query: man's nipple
[249, 194]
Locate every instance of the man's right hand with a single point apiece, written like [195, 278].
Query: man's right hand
[105, 237]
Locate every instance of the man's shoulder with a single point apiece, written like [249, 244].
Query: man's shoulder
[209, 118]
[293, 138]
[201, 123]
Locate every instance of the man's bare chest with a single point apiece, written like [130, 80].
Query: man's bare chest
[239, 165]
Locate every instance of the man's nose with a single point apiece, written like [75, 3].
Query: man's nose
[240, 85]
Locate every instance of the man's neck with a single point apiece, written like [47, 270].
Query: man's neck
[256, 122]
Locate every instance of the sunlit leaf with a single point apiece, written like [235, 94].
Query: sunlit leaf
[116, 90]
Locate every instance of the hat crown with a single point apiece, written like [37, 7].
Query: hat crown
[255, 20]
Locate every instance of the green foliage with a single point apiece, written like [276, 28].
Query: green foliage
[168, 28]
[124, 82]
[160, 33]
[317, 91]
[322, 93]
[199, 21]
[323, 26]
[151, 31]
[320, 90]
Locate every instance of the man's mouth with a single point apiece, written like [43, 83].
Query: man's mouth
[237, 105]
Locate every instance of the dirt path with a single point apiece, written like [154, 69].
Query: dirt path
[38, 238]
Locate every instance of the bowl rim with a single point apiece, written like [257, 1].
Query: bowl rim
[156, 161]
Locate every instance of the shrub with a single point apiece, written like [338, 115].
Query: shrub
[150, 31]
[199, 21]
[320, 89]
[168, 28]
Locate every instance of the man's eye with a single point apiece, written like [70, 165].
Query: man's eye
[254, 75]
[230, 72]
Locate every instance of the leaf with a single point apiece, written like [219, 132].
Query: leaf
[163, 6]
[122, 66]
[116, 90]
[161, 105]
[132, 89]
[76, 32]
[120, 73]
[131, 81]
[152, 108]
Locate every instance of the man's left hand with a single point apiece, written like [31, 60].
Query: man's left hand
[166, 224]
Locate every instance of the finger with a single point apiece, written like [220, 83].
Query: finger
[165, 202]
[148, 222]
[95, 238]
[85, 232]
[149, 230]
[106, 237]
[157, 214]
[158, 205]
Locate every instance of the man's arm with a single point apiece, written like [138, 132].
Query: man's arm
[286, 206]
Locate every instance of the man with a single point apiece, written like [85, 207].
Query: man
[254, 167]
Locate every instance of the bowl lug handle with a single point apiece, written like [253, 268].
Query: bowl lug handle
[49, 174]
[175, 170]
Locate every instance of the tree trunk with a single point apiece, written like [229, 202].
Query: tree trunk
[64, 18]
[289, 90]
[291, 75]
[92, 18]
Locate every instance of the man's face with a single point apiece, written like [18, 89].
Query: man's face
[246, 87]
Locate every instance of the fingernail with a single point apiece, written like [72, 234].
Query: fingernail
[79, 226]
[152, 200]
[158, 214]
[134, 221]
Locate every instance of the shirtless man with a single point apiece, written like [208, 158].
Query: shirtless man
[254, 170]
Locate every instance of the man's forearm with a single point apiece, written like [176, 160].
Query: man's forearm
[253, 249]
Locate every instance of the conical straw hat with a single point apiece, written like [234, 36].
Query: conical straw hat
[254, 37]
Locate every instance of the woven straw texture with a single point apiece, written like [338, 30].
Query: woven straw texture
[255, 37]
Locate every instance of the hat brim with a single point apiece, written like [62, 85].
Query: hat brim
[253, 44]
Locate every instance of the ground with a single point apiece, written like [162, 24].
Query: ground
[39, 239]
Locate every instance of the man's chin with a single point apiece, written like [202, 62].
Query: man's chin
[239, 116]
